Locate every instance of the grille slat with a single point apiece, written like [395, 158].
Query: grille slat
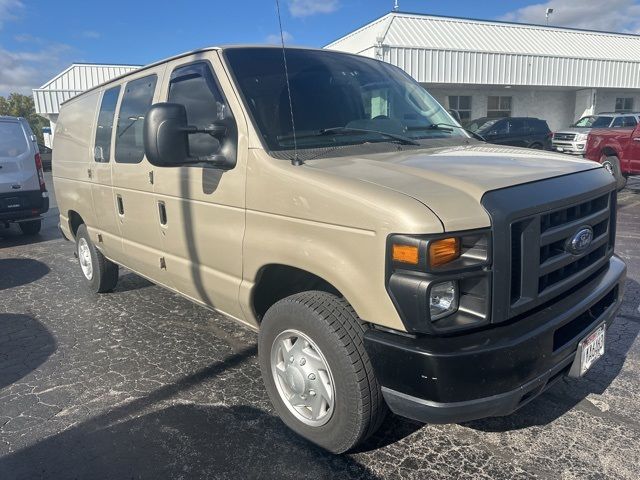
[563, 231]
[567, 137]
[564, 259]
[541, 267]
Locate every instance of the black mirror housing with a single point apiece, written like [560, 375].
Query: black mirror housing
[165, 134]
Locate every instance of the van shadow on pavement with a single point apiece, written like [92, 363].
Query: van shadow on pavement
[158, 437]
[566, 394]
[25, 344]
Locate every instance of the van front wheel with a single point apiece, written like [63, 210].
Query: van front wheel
[101, 274]
[316, 371]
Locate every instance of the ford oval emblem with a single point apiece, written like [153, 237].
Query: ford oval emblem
[580, 241]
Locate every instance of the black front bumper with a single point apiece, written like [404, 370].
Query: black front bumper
[496, 370]
[22, 205]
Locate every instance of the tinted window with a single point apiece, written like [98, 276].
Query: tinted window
[629, 121]
[194, 87]
[601, 122]
[516, 126]
[138, 95]
[538, 126]
[104, 128]
[13, 141]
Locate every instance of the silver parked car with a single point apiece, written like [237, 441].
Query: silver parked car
[23, 193]
[573, 140]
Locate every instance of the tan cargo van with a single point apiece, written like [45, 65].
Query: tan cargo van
[386, 257]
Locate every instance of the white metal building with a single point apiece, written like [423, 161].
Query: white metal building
[69, 83]
[488, 68]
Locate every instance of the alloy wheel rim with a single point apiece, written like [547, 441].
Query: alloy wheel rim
[303, 377]
[84, 256]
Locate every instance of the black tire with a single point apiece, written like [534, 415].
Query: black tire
[30, 228]
[612, 164]
[536, 146]
[335, 328]
[104, 275]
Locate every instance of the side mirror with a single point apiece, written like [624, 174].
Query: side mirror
[166, 138]
[165, 134]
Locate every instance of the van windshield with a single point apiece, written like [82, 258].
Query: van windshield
[338, 99]
[12, 139]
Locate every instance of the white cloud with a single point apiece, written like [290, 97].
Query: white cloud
[274, 38]
[34, 62]
[305, 8]
[609, 15]
[21, 71]
[8, 10]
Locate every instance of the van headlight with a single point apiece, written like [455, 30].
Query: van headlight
[443, 299]
[440, 283]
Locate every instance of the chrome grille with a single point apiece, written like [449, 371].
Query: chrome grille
[564, 137]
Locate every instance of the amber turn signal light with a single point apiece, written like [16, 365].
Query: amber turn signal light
[443, 251]
[405, 254]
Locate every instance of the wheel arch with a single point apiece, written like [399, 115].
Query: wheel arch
[276, 281]
[75, 220]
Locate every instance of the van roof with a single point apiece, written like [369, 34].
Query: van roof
[192, 52]
[6, 118]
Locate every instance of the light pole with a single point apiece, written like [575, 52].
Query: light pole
[548, 14]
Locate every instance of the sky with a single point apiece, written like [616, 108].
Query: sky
[38, 38]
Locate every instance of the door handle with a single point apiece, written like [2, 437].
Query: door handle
[120, 205]
[162, 213]
[636, 139]
[89, 173]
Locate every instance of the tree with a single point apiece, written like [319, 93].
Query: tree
[18, 105]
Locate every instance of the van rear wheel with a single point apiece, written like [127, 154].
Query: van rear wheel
[31, 227]
[100, 274]
[316, 371]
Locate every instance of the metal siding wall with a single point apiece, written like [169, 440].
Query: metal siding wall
[448, 66]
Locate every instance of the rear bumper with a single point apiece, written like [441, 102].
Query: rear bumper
[22, 205]
[494, 371]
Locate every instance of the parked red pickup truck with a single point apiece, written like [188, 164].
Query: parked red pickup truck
[618, 150]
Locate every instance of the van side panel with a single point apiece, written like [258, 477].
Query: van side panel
[205, 214]
[329, 226]
[72, 156]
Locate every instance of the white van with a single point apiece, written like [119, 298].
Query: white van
[23, 193]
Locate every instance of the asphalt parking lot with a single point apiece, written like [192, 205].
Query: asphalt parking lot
[141, 383]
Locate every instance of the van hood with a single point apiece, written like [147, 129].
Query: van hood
[451, 181]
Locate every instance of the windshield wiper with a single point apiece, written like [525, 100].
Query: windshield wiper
[347, 130]
[447, 127]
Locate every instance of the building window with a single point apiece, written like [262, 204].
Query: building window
[624, 104]
[498, 107]
[461, 104]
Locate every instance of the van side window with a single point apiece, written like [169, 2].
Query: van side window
[195, 87]
[138, 95]
[104, 128]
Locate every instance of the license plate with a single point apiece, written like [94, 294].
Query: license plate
[591, 349]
